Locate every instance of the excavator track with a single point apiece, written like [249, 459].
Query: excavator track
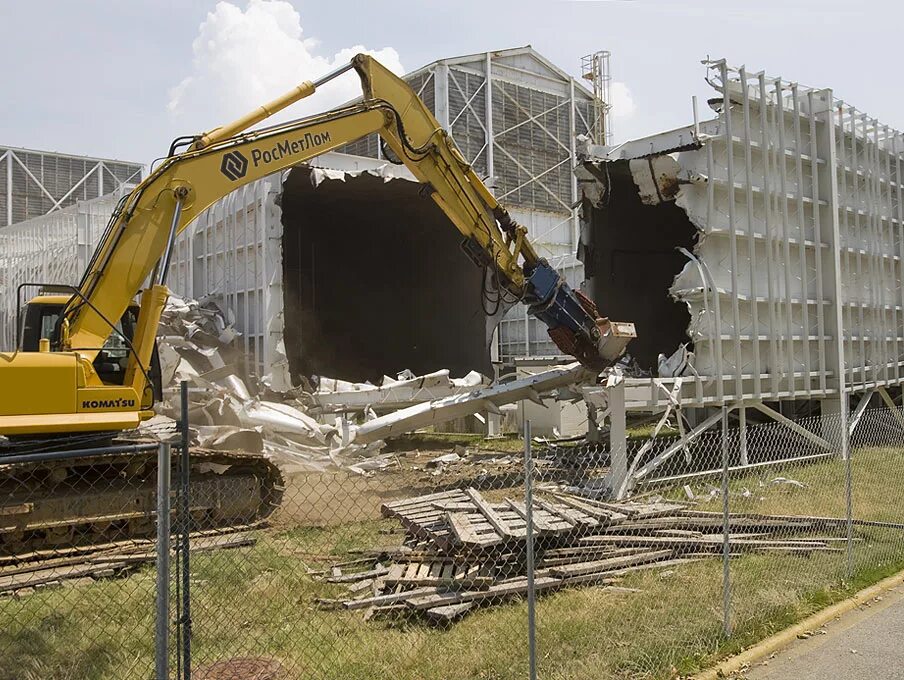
[97, 500]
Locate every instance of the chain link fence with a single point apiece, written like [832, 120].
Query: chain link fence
[78, 551]
[422, 567]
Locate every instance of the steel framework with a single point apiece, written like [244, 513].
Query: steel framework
[34, 183]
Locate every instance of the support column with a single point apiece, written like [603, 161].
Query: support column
[441, 94]
[834, 408]
[9, 188]
[833, 425]
[617, 478]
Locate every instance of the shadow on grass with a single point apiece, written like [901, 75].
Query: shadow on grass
[52, 649]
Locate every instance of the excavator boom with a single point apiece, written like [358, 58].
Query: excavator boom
[138, 243]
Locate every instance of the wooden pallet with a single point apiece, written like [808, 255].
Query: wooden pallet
[455, 520]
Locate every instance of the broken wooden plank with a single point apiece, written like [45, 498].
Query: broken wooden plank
[517, 586]
[466, 533]
[491, 516]
[815, 520]
[359, 576]
[573, 517]
[711, 543]
[450, 612]
[604, 515]
[389, 598]
[610, 564]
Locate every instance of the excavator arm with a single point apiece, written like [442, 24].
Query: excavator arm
[138, 243]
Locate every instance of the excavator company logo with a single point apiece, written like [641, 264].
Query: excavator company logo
[289, 147]
[234, 165]
[108, 403]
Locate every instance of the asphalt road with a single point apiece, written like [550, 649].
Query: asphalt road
[867, 643]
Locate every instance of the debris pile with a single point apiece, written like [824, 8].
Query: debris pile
[340, 396]
[310, 429]
[227, 409]
[462, 550]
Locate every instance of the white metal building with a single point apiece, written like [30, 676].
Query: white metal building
[772, 238]
[34, 183]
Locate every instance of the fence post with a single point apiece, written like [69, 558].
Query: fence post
[163, 565]
[848, 486]
[529, 545]
[726, 552]
[185, 541]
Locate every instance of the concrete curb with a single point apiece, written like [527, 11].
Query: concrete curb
[781, 639]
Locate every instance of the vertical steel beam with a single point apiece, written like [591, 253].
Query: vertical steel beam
[786, 237]
[823, 147]
[869, 248]
[843, 244]
[717, 340]
[572, 132]
[857, 244]
[751, 238]
[889, 248]
[732, 229]
[766, 147]
[9, 187]
[441, 93]
[618, 438]
[899, 301]
[802, 243]
[817, 239]
[488, 120]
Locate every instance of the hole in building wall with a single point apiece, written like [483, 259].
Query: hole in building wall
[630, 261]
[375, 282]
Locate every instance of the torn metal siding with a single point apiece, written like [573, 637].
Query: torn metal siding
[794, 203]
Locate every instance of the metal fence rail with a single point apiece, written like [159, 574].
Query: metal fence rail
[456, 564]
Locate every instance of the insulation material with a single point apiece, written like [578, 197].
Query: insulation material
[764, 244]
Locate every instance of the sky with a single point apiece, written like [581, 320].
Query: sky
[119, 79]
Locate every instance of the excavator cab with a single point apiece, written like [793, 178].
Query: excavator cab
[39, 320]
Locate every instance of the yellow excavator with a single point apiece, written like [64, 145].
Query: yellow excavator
[85, 362]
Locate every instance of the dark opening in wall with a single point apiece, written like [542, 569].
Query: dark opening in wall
[630, 261]
[375, 282]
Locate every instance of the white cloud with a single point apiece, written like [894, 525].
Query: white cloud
[245, 58]
[621, 100]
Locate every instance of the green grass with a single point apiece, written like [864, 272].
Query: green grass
[260, 601]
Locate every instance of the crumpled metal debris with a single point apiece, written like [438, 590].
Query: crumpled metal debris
[335, 396]
[483, 399]
[227, 411]
[300, 430]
